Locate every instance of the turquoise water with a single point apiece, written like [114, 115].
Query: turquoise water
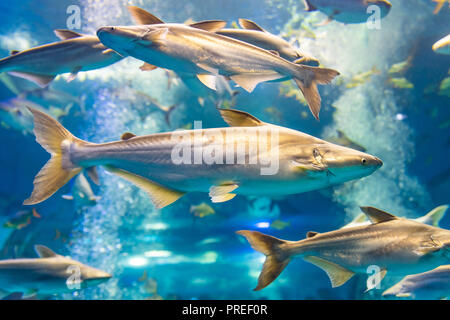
[202, 258]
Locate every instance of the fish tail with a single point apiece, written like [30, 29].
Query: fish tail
[276, 257]
[308, 84]
[56, 140]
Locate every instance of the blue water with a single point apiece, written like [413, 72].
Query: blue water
[202, 258]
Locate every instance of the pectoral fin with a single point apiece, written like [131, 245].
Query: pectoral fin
[41, 80]
[222, 193]
[208, 80]
[249, 81]
[93, 175]
[338, 275]
[73, 74]
[161, 196]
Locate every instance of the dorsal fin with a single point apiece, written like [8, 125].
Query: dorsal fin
[44, 252]
[376, 215]
[127, 136]
[13, 52]
[236, 118]
[209, 25]
[65, 34]
[250, 25]
[140, 16]
[311, 234]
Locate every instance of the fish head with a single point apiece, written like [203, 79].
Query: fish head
[338, 163]
[92, 276]
[123, 39]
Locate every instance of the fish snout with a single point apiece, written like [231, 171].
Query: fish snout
[104, 30]
[372, 161]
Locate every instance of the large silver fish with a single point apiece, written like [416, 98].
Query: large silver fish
[431, 285]
[75, 52]
[348, 11]
[249, 158]
[49, 274]
[396, 245]
[195, 50]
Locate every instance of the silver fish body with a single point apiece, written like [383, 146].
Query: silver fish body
[251, 157]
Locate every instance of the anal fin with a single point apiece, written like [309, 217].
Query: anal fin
[249, 81]
[338, 275]
[161, 196]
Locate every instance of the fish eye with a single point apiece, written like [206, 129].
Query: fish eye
[363, 161]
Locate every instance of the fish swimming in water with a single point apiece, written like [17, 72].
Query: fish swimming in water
[202, 210]
[257, 36]
[21, 219]
[198, 51]
[430, 285]
[15, 115]
[442, 46]
[82, 192]
[348, 11]
[221, 161]
[432, 218]
[397, 245]
[74, 53]
[47, 274]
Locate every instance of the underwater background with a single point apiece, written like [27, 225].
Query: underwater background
[401, 116]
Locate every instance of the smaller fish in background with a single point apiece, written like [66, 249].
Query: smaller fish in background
[22, 219]
[430, 285]
[362, 78]
[442, 46]
[342, 140]
[347, 11]
[60, 236]
[444, 87]
[82, 192]
[275, 114]
[400, 83]
[439, 5]
[47, 274]
[401, 67]
[279, 225]
[150, 286]
[202, 210]
[74, 53]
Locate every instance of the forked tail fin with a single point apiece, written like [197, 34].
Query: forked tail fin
[308, 85]
[276, 258]
[54, 138]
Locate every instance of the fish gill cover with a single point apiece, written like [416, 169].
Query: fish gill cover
[123, 234]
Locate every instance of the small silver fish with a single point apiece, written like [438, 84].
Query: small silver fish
[75, 52]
